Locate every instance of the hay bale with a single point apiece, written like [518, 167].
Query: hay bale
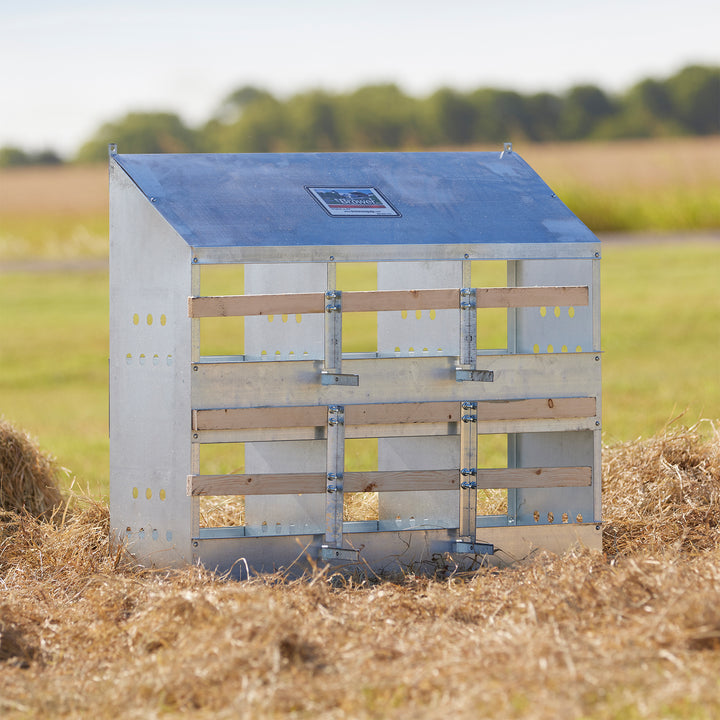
[663, 494]
[28, 477]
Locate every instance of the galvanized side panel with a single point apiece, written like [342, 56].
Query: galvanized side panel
[150, 449]
[258, 200]
[426, 332]
[391, 552]
[391, 380]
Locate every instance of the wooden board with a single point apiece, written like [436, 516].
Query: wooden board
[391, 413]
[385, 300]
[385, 481]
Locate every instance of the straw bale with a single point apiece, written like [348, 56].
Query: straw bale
[28, 477]
[663, 492]
[85, 634]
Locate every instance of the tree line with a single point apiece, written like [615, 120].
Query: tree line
[383, 117]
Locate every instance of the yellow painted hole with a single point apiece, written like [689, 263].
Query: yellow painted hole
[563, 348]
[163, 494]
[298, 318]
[412, 349]
[397, 349]
[135, 492]
[264, 352]
[149, 319]
[148, 493]
[571, 312]
[136, 319]
[543, 311]
[432, 314]
[418, 314]
[271, 318]
[142, 359]
[284, 318]
[536, 348]
[557, 311]
[550, 348]
[578, 348]
[403, 314]
[163, 320]
[277, 352]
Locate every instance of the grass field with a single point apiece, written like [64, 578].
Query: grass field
[633, 633]
[660, 300]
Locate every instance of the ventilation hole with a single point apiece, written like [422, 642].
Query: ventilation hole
[156, 359]
[142, 359]
[136, 319]
[571, 312]
[163, 494]
[543, 311]
[550, 349]
[403, 314]
[579, 518]
[135, 493]
[284, 318]
[277, 353]
[168, 535]
[141, 534]
[557, 311]
[536, 348]
[432, 314]
[128, 358]
[418, 314]
[149, 319]
[163, 320]
[397, 349]
[155, 534]
[565, 517]
[551, 518]
[270, 318]
[298, 318]
[412, 349]
[169, 360]
[563, 348]
[264, 352]
[292, 352]
[578, 348]
[536, 515]
[425, 350]
[148, 494]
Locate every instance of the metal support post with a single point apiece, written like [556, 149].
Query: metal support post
[468, 471]
[331, 373]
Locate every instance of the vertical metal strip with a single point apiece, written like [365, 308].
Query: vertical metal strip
[468, 471]
[335, 469]
[512, 348]
[195, 290]
[333, 324]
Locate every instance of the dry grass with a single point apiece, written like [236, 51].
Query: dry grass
[28, 478]
[85, 634]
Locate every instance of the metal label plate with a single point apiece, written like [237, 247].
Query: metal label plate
[353, 202]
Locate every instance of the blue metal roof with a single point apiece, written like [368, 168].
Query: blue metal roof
[271, 200]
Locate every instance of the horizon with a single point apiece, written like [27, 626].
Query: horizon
[84, 65]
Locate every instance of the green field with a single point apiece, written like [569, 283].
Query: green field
[661, 341]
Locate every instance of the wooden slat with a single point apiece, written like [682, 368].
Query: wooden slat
[375, 300]
[391, 413]
[238, 305]
[386, 481]
[379, 300]
[507, 297]
[534, 477]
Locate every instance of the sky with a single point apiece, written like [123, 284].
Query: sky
[68, 66]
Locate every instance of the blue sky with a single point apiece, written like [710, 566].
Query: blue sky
[70, 66]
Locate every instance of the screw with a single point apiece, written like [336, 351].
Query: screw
[597, 357]
[597, 423]
[195, 436]
[195, 368]
[195, 259]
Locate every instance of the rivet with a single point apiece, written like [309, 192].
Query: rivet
[195, 368]
[195, 259]
[195, 436]
[597, 357]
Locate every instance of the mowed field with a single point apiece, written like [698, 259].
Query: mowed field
[630, 633]
[660, 297]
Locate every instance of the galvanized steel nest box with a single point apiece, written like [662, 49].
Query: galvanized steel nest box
[456, 413]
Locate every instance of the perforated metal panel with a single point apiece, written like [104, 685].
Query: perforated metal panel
[459, 423]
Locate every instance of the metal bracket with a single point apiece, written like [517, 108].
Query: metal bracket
[461, 547]
[333, 553]
[463, 375]
[334, 474]
[331, 378]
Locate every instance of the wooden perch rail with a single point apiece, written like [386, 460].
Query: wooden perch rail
[381, 300]
[390, 413]
[386, 481]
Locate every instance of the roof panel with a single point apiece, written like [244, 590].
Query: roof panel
[336, 199]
